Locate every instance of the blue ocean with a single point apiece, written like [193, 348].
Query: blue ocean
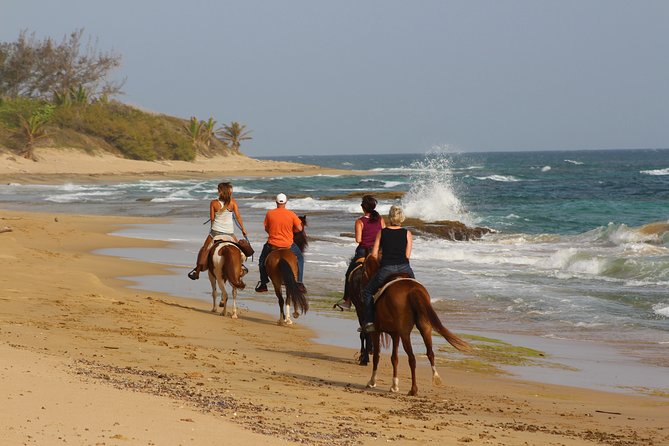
[580, 251]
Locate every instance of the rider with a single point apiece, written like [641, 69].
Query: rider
[280, 225]
[366, 229]
[395, 243]
[221, 211]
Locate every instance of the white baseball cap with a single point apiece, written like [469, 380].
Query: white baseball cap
[281, 198]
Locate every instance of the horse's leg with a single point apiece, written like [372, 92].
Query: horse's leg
[224, 296]
[279, 296]
[395, 361]
[287, 313]
[212, 280]
[426, 332]
[234, 302]
[406, 343]
[376, 336]
[364, 355]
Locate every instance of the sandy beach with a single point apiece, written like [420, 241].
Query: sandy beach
[87, 360]
[58, 165]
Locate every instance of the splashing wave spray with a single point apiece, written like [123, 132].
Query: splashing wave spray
[432, 196]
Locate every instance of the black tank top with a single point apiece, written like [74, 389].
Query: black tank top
[393, 246]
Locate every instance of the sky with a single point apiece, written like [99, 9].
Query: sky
[364, 77]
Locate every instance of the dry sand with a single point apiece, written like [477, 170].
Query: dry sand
[86, 360]
[57, 165]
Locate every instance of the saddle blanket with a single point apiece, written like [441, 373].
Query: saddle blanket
[383, 288]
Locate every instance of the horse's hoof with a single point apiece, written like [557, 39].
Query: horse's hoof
[296, 315]
[213, 310]
[234, 316]
[412, 392]
[289, 322]
[280, 322]
[221, 304]
[371, 385]
[436, 381]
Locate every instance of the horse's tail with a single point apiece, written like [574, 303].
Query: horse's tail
[420, 303]
[293, 293]
[231, 270]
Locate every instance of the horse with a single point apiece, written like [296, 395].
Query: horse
[357, 280]
[225, 265]
[403, 304]
[281, 265]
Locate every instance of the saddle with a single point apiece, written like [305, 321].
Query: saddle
[389, 281]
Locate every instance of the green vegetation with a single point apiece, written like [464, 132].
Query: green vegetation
[57, 94]
[491, 355]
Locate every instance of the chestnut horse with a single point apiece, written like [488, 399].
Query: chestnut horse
[357, 280]
[225, 265]
[281, 265]
[405, 303]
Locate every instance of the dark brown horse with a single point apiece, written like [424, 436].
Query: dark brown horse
[405, 303]
[357, 280]
[225, 265]
[281, 265]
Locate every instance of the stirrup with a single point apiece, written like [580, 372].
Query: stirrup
[342, 305]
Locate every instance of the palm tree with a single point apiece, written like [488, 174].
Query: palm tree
[194, 130]
[32, 128]
[233, 134]
[208, 131]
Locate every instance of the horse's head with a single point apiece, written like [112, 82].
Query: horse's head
[300, 238]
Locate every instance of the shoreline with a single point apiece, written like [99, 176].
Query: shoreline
[56, 166]
[98, 334]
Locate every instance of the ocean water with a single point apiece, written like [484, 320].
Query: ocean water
[581, 251]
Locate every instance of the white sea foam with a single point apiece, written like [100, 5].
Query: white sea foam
[500, 178]
[245, 190]
[546, 168]
[578, 163]
[661, 309]
[656, 171]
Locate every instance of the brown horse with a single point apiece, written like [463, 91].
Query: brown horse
[225, 265]
[405, 303]
[357, 280]
[281, 265]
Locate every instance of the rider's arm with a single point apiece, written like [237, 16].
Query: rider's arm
[358, 231]
[238, 216]
[377, 244]
[297, 224]
[213, 208]
[409, 244]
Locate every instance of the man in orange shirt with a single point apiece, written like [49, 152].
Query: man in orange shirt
[280, 225]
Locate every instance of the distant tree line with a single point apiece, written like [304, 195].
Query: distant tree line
[67, 85]
[47, 69]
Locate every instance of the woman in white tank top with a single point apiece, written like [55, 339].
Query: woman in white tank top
[221, 211]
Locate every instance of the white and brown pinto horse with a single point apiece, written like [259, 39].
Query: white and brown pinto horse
[225, 265]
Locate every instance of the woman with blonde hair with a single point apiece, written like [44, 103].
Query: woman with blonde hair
[395, 243]
[222, 210]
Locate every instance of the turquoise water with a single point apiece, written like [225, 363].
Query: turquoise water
[573, 258]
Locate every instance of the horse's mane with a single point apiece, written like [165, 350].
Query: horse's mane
[300, 238]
